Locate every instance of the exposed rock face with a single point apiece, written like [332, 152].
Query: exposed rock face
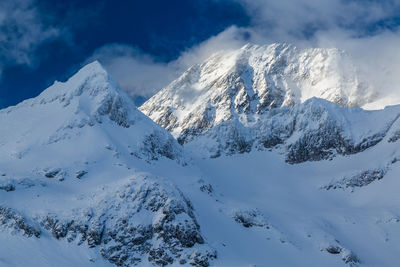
[250, 218]
[146, 221]
[348, 256]
[314, 130]
[359, 179]
[16, 223]
[143, 220]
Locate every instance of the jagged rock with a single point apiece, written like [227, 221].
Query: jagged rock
[334, 249]
[207, 188]
[348, 256]
[395, 136]
[10, 219]
[250, 218]
[80, 174]
[156, 145]
[52, 173]
[7, 186]
[358, 179]
[124, 236]
[312, 131]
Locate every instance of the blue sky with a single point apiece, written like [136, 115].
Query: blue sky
[146, 44]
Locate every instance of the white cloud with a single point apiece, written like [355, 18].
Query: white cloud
[293, 20]
[345, 25]
[136, 72]
[21, 31]
[141, 75]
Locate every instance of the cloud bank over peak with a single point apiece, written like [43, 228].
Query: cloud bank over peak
[21, 32]
[365, 29]
[141, 75]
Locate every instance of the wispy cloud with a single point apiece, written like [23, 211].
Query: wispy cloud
[141, 75]
[365, 29]
[291, 20]
[137, 73]
[21, 32]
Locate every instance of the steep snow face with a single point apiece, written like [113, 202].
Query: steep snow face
[89, 110]
[252, 80]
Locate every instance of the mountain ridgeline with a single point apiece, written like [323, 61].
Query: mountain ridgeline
[260, 156]
[303, 102]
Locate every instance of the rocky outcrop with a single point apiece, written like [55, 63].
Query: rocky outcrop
[11, 220]
[348, 256]
[312, 131]
[359, 179]
[250, 218]
[146, 221]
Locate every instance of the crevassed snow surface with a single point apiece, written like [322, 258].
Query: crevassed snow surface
[86, 179]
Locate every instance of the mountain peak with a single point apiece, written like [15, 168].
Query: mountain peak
[91, 92]
[252, 80]
[92, 78]
[88, 110]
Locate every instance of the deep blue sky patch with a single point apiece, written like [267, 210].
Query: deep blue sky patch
[157, 27]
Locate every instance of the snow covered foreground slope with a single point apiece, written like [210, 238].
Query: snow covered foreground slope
[90, 181]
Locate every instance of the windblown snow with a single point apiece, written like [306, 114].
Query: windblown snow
[275, 163]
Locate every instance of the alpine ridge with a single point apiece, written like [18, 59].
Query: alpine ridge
[276, 96]
[252, 80]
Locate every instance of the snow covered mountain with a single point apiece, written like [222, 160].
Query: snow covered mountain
[267, 173]
[83, 112]
[253, 80]
[73, 164]
[265, 96]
